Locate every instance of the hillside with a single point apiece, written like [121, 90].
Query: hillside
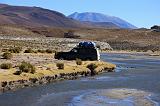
[119, 39]
[124, 39]
[98, 17]
[34, 16]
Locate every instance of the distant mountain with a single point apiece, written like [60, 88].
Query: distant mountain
[108, 25]
[35, 16]
[3, 5]
[98, 17]
[40, 17]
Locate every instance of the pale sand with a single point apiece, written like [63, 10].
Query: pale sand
[140, 98]
[114, 97]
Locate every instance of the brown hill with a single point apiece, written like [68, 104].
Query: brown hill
[34, 16]
[40, 17]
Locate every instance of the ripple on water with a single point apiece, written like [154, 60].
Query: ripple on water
[104, 78]
[114, 97]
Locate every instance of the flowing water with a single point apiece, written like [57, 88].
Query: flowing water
[136, 82]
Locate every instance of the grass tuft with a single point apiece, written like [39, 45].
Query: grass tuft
[27, 67]
[7, 55]
[60, 65]
[6, 66]
[78, 61]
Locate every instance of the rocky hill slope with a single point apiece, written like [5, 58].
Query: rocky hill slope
[34, 16]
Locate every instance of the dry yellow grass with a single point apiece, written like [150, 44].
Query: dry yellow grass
[51, 69]
[15, 30]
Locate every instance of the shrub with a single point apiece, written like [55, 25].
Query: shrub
[71, 34]
[33, 70]
[29, 50]
[15, 50]
[92, 67]
[6, 65]
[35, 51]
[60, 65]
[27, 67]
[41, 51]
[49, 51]
[7, 55]
[18, 72]
[78, 61]
[4, 50]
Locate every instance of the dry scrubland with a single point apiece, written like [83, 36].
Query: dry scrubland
[122, 39]
[42, 42]
[29, 59]
[55, 44]
[43, 68]
[119, 39]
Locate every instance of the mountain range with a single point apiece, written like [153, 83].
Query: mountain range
[98, 17]
[40, 17]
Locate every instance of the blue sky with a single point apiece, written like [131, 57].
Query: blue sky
[141, 13]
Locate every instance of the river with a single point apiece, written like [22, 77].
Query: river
[137, 76]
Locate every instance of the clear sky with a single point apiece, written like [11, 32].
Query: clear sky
[141, 13]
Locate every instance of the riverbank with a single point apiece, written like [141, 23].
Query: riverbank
[149, 52]
[47, 71]
[137, 72]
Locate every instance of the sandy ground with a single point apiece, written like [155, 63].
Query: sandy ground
[140, 98]
[114, 97]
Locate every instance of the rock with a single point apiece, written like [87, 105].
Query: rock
[104, 45]
[3, 84]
